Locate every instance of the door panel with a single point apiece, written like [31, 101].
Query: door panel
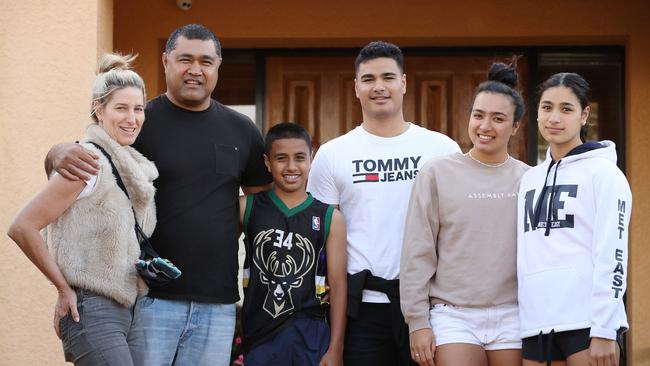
[318, 93]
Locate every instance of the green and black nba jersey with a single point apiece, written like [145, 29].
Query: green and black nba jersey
[285, 267]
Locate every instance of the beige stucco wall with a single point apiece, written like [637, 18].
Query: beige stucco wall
[48, 52]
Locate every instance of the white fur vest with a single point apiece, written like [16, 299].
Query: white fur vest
[94, 241]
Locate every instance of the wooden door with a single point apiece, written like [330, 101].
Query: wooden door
[318, 93]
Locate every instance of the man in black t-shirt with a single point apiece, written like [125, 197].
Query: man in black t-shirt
[204, 152]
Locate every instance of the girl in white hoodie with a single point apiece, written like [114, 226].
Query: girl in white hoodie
[574, 211]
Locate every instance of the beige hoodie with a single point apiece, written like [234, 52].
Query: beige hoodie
[460, 237]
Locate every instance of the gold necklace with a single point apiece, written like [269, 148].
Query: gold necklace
[496, 165]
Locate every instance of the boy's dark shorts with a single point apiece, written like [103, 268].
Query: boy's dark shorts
[563, 344]
[303, 342]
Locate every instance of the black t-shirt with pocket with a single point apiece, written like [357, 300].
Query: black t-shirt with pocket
[203, 158]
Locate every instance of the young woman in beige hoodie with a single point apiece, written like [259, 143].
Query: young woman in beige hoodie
[458, 282]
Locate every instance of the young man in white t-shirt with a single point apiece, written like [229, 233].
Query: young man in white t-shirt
[368, 173]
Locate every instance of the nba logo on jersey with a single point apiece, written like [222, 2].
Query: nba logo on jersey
[315, 223]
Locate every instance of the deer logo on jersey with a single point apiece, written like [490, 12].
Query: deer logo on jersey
[283, 259]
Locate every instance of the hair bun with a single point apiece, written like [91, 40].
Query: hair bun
[115, 61]
[503, 73]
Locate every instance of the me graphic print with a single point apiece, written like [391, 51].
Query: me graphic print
[546, 212]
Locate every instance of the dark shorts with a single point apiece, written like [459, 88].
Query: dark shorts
[558, 346]
[370, 338]
[303, 342]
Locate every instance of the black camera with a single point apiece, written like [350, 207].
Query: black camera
[157, 271]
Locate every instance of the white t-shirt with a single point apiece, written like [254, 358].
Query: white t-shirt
[370, 178]
[90, 184]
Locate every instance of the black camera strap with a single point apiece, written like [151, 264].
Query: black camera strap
[146, 250]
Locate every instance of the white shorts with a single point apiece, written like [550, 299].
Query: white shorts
[493, 328]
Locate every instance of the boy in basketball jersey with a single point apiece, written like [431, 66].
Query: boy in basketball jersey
[295, 245]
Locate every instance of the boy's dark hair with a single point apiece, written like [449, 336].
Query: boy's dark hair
[286, 130]
[192, 31]
[379, 49]
[577, 84]
[502, 79]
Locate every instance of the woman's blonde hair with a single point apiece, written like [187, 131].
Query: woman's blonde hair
[113, 73]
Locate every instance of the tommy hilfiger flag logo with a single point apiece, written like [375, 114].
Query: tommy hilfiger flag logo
[315, 223]
[365, 177]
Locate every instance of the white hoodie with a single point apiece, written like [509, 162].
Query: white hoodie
[572, 275]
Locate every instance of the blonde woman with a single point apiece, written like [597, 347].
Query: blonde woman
[90, 247]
